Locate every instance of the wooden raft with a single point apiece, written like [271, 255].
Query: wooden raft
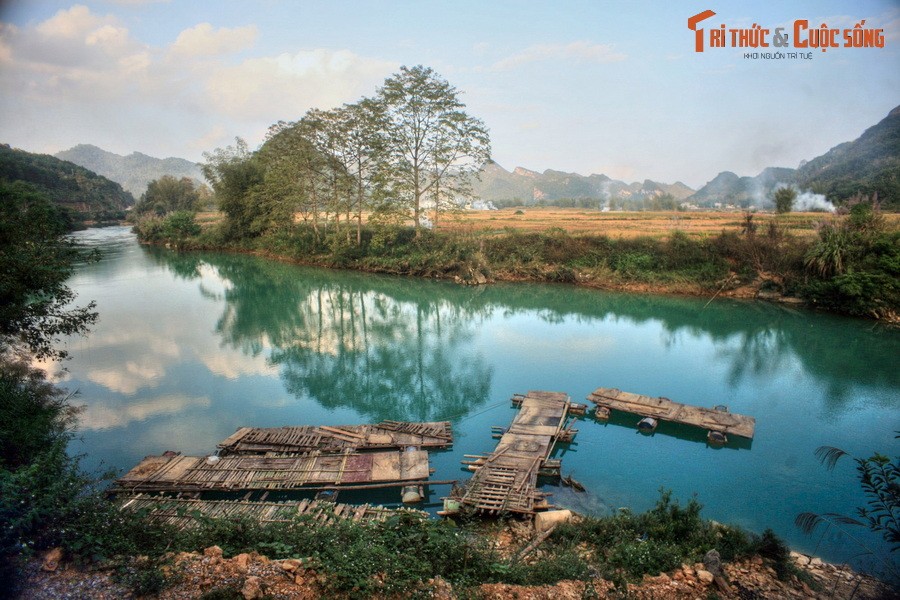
[506, 481]
[664, 409]
[184, 513]
[287, 441]
[173, 472]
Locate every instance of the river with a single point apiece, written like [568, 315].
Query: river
[191, 346]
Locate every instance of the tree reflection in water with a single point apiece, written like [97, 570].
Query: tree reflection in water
[352, 339]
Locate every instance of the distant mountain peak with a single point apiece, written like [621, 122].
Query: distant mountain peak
[527, 186]
[135, 171]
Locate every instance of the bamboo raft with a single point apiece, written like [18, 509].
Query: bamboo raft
[667, 410]
[175, 473]
[292, 441]
[506, 481]
[184, 513]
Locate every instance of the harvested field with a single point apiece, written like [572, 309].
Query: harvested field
[615, 224]
[628, 224]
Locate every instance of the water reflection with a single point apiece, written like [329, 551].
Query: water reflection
[347, 339]
[343, 342]
[682, 432]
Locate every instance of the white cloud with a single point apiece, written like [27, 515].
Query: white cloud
[575, 51]
[232, 365]
[204, 40]
[214, 137]
[7, 31]
[287, 85]
[85, 76]
[99, 416]
[72, 23]
[138, 2]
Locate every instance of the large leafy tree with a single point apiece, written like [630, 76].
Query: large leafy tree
[235, 174]
[35, 260]
[169, 194]
[300, 177]
[432, 146]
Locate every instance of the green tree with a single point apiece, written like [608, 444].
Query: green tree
[168, 194]
[432, 146]
[235, 175]
[35, 260]
[179, 226]
[299, 178]
[784, 199]
[363, 149]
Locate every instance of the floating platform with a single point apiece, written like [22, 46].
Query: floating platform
[290, 441]
[185, 513]
[506, 481]
[664, 409]
[175, 473]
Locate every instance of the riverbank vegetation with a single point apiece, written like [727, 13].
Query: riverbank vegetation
[847, 263]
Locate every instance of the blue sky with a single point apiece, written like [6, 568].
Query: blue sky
[590, 87]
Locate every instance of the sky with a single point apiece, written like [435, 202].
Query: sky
[611, 87]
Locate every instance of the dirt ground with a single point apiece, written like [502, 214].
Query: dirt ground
[254, 577]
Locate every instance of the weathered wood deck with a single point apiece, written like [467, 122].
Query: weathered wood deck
[667, 410]
[184, 513]
[506, 481]
[172, 472]
[287, 441]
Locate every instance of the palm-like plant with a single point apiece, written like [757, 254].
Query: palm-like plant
[879, 478]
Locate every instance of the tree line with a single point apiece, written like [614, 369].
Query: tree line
[408, 152]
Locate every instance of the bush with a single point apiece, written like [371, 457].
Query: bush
[772, 547]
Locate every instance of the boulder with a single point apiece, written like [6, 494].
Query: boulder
[52, 559]
[242, 562]
[713, 562]
[291, 564]
[252, 589]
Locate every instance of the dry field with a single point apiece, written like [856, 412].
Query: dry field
[625, 224]
[616, 224]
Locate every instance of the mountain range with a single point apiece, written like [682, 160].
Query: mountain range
[81, 193]
[869, 165]
[527, 187]
[135, 171]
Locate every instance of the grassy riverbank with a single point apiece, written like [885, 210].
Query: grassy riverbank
[395, 557]
[847, 264]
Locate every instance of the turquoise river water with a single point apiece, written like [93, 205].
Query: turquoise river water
[191, 346]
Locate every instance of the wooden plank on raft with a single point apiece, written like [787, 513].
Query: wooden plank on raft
[676, 412]
[181, 512]
[186, 473]
[507, 479]
[300, 439]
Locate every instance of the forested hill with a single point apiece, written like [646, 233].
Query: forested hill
[135, 171]
[82, 193]
[869, 164]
